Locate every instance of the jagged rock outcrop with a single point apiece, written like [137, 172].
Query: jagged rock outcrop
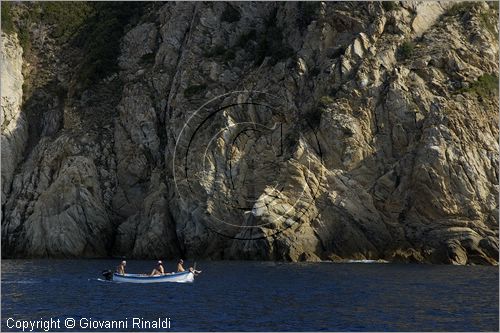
[275, 131]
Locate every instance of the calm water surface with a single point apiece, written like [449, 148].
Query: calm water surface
[260, 296]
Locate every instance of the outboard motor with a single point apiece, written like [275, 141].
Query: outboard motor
[108, 275]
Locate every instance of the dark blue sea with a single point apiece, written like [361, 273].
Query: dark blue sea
[256, 296]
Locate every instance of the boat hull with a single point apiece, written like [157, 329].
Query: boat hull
[183, 277]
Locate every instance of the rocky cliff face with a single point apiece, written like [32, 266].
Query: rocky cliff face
[275, 131]
[14, 126]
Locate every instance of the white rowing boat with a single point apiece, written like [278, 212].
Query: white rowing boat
[182, 277]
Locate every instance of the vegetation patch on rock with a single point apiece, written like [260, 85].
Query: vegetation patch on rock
[100, 38]
[389, 5]
[267, 43]
[406, 50]
[460, 8]
[485, 86]
[7, 23]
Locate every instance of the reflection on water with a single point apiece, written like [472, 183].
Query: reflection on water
[260, 296]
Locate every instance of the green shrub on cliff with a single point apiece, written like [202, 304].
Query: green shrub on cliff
[266, 43]
[460, 8]
[62, 18]
[7, 24]
[24, 41]
[9, 27]
[489, 20]
[389, 5]
[325, 101]
[406, 49]
[100, 38]
[66, 17]
[20, 26]
[485, 86]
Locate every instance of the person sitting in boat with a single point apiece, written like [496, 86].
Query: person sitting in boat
[159, 269]
[121, 267]
[194, 271]
[180, 268]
